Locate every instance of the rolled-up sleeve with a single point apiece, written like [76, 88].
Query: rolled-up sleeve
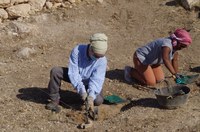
[73, 71]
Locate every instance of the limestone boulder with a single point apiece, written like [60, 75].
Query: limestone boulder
[3, 14]
[4, 3]
[25, 52]
[49, 5]
[21, 28]
[37, 5]
[21, 10]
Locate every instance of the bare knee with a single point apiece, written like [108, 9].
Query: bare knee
[159, 81]
[151, 82]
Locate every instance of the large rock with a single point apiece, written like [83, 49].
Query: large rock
[188, 4]
[49, 5]
[4, 3]
[26, 52]
[21, 28]
[21, 10]
[3, 14]
[37, 5]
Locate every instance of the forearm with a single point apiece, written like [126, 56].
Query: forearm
[96, 84]
[170, 67]
[175, 65]
[73, 72]
[75, 79]
[175, 62]
[166, 59]
[80, 88]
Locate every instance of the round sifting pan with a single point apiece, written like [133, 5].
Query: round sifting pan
[172, 97]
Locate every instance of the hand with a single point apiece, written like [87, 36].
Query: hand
[179, 79]
[90, 103]
[178, 76]
[84, 96]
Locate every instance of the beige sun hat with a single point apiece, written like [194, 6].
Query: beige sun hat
[98, 43]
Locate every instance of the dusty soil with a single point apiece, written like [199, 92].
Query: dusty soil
[128, 24]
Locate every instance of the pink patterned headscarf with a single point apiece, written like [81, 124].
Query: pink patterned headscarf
[182, 36]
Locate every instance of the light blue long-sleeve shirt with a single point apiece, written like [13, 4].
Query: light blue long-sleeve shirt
[85, 71]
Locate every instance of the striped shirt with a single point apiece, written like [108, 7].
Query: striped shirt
[83, 71]
[152, 52]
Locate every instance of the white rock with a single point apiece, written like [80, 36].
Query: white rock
[37, 5]
[3, 14]
[16, 28]
[21, 10]
[4, 3]
[25, 53]
[100, 1]
[56, 5]
[21, 28]
[49, 5]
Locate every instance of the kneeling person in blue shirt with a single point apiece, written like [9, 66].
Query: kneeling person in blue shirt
[86, 72]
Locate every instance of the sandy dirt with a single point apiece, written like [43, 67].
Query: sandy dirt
[128, 24]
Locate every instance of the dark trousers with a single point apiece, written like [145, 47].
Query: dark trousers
[58, 74]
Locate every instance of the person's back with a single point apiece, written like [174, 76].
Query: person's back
[82, 68]
[152, 52]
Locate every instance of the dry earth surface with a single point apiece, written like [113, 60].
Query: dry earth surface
[52, 34]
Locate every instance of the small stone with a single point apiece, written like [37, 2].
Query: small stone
[49, 5]
[25, 52]
[72, 1]
[100, 1]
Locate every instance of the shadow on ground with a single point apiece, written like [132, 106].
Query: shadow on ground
[145, 102]
[116, 74]
[69, 99]
[195, 69]
[172, 3]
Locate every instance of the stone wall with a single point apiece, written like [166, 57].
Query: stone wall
[13, 9]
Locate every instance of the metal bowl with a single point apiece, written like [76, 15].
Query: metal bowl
[172, 97]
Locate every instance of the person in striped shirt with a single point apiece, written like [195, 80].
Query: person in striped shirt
[148, 58]
[86, 72]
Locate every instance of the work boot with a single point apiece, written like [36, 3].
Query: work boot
[53, 106]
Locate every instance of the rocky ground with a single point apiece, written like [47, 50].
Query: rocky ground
[30, 47]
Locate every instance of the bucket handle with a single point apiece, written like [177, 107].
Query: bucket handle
[170, 97]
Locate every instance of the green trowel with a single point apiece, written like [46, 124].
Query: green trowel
[113, 99]
[187, 79]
